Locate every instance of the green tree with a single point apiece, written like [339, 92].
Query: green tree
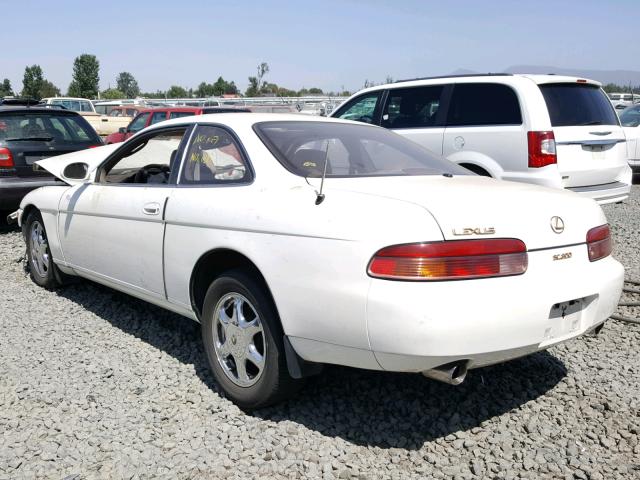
[128, 85]
[48, 89]
[315, 91]
[112, 94]
[86, 77]
[5, 88]
[252, 90]
[156, 94]
[230, 88]
[32, 82]
[176, 91]
[263, 69]
[205, 90]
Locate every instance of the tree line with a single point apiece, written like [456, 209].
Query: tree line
[86, 79]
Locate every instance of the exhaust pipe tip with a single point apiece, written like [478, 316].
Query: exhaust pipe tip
[453, 373]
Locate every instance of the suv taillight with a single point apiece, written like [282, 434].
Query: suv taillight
[451, 260]
[6, 159]
[599, 242]
[542, 149]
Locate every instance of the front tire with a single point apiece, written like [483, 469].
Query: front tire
[42, 270]
[244, 342]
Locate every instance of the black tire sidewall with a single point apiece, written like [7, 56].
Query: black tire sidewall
[268, 388]
[48, 280]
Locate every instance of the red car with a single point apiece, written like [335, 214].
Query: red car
[150, 116]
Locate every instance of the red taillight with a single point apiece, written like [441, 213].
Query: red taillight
[94, 146]
[542, 149]
[452, 260]
[6, 159]
[599, 242]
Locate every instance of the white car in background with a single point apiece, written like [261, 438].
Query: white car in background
[550, 130]
[630, 119]
[398, 260]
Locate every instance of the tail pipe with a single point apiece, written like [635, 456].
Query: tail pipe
[452, 373]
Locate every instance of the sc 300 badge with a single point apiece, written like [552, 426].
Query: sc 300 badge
[562, 256]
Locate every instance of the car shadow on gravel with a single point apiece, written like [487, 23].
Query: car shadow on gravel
[363, 407]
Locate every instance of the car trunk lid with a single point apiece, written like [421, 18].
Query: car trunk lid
[468, 207]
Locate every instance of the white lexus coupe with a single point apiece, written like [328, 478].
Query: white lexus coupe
[298, 241]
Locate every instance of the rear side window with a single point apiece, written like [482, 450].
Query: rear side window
[573, 104]
[412, 107]
[361, 109]
[158, 117]
[477, 104]
[630, 117]
[214, 158]
[180, 114]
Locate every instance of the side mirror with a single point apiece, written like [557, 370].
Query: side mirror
[122, 130]
[76, 171]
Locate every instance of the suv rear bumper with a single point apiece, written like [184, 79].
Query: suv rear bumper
[606, 193]
[635, 165]
[13, 189]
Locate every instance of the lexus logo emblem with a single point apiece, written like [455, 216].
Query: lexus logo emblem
[557, 224]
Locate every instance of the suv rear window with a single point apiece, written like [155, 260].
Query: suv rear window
[349, 151]
[477, 104]
[46, 127]
[572, 104]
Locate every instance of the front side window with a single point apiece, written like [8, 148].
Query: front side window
[478, 104]
[348, 151]
[361, 109]
[85, 107]
[412, 107]
[138, 123]
[147, 161]
[158, 117]
[213, 157]
[575, 104]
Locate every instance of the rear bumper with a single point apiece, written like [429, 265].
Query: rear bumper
[607, 193]
[13, 189]
[417, 326]
[635, 165]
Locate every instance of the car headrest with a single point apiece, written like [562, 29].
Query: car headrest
[311, 161]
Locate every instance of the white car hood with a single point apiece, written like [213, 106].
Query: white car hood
[93, 157]
[471, 206]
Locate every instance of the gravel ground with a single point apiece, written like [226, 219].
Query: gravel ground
[94, 384]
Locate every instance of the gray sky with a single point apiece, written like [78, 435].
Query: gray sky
[327, 44]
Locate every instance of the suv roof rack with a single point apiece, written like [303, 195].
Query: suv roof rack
[457, 76]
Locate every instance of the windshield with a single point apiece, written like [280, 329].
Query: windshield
[46, 127]
[572, 104]
[630, 117]
[349, 150]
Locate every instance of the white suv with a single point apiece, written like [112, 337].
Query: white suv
[555, 131]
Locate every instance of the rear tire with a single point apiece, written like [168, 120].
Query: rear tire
[243, 340]
[42, 270]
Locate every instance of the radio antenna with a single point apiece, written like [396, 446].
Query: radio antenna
[320, 195]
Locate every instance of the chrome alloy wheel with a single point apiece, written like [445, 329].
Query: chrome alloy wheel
[39, 249]
[239, 339]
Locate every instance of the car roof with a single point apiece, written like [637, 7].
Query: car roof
[25, 109]
[482, 78]
[65, 98]
[242, 119]
[171, 109]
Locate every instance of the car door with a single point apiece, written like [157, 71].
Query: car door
[485, 129]
[112, 228]
[415, 113]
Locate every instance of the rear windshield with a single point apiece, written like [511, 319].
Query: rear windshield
[46, 127]
[349, 150]
[572, 104]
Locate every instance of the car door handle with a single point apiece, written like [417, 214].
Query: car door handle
[151, 209]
